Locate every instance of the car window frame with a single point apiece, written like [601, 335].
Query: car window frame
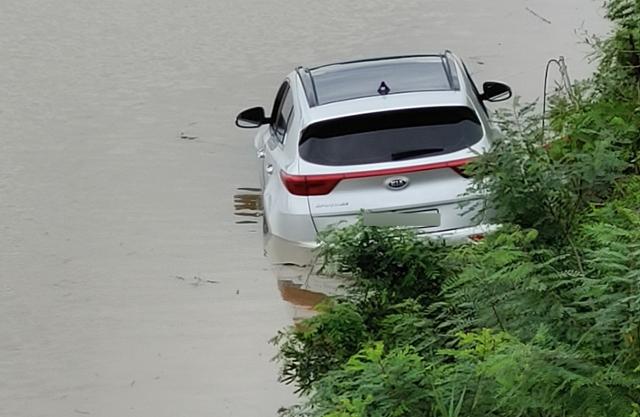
[277, 102]
[289, 118]
[286, 97]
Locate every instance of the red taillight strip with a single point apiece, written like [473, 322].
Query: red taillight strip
[403, 170]
[324, 183]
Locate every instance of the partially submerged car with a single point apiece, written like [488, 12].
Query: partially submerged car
[386, 139]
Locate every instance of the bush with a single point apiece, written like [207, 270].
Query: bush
[506, 283]
[503, 376]
[374, 383]
[588, 298]
[391, 262]
[319, 344]
[541, 185]
[596, 118]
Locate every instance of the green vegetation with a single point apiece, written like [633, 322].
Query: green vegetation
[540, 319]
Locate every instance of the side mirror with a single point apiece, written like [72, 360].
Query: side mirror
[494, 91]
[251, 118]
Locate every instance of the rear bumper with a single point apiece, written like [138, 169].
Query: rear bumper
[286, 252]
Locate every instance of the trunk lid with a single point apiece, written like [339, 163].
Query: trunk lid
[425, 195]
[399, 168]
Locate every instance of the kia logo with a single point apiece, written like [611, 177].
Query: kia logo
[397, 183]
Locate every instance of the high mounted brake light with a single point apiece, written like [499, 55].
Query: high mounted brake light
[309, 185]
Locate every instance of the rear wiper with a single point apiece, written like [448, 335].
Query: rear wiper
[414, 153]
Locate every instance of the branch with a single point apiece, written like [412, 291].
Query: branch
[493, 307]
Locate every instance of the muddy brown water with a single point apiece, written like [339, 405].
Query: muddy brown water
[118, 166]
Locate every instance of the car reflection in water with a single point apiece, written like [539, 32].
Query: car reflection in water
[299, 286]
[303, 290]
[247, 203]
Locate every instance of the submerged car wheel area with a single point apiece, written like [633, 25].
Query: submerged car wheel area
[387, 138]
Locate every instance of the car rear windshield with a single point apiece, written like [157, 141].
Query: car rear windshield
[390, 136]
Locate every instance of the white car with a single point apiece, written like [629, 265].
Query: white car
[384, 138]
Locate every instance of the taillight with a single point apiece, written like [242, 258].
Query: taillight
[477, 237]
[325, 183]
[310, 184]
[322, 184]
[296, 184]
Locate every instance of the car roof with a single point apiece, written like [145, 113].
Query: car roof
[352, 80]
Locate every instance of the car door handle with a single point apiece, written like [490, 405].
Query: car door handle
[260, 153]
[269, 169]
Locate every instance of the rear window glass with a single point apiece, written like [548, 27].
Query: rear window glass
[390, 136]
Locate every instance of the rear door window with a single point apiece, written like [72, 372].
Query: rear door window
[390, 136]
[277, 103]
[283, 117]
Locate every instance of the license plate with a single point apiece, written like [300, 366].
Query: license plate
[391, 219]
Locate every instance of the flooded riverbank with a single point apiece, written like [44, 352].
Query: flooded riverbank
[132, 283]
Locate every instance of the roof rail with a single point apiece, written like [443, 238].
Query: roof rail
[382, 58]
[308, 85]
[452, 74]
